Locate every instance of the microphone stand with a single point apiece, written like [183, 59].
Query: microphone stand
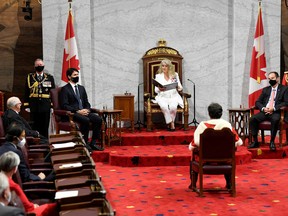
[139, 123]
[194, 121]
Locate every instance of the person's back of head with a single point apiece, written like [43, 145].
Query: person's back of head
[215, 111]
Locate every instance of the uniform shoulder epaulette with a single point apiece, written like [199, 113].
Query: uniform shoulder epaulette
[48, 74]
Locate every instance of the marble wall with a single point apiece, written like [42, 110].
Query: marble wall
[215, 39]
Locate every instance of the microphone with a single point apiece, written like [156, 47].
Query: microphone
[191, 81]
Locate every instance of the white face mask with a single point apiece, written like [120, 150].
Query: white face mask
[22, 142]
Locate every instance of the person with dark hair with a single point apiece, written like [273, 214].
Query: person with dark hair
[15, 138]
[73, 97]
[37, 97]
[215, 113]
[5, 198]
[270, 101]
[12, 114]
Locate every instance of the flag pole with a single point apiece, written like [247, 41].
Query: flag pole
[69, 1]
[259, 29]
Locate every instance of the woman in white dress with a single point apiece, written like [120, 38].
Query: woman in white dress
[168, 100]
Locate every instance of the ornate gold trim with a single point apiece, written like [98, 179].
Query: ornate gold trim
[162, 50]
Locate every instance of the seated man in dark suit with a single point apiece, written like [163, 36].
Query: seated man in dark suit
[15, 138]
[270, 101]
[5, 198]
[73, 97]
[12, 115]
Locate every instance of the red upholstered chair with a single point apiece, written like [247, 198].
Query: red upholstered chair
[215, 156]
[266, 125]
[2, 102]
[69, 125]
[59, 113]
[2, 130]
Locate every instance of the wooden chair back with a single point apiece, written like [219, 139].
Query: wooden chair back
[216, 157]
[63, 119]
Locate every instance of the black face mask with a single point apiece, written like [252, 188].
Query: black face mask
[39, 68]
[75, 79]
[272, 82]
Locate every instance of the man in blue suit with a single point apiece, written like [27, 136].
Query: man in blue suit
[73, 97]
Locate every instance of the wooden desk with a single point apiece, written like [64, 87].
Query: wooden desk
[60, 169]
[85, 194]
[112, 120]
[125, 103]
[239, 119]
[73, 136]
[98, 206]
[79, 181]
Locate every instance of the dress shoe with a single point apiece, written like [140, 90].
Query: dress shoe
[254, 145]
[96, 147]
[228, 186]
[172, 129]
[272, 146]
[89, 149]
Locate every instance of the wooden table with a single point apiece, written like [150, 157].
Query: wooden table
[112, 120]
[125, 102]
[239, 119]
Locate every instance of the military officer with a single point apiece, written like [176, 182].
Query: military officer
[37, 97]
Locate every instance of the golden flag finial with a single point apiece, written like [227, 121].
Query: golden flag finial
[161, 42]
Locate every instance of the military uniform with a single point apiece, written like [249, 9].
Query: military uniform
[37, 98]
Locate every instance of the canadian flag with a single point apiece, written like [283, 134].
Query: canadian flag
[258, 79]
[285, 78]
[70, 55]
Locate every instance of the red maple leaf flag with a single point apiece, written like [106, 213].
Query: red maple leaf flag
[70, 55]
[258, 78]
[285, 78]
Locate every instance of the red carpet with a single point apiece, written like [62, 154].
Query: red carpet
[162, 191]
[158, 148]
[149, 175]
[156, 155]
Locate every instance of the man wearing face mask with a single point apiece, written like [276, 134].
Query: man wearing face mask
[37, 97]
[5, 198]
[270, 101]
[15, 138]
[73, 97]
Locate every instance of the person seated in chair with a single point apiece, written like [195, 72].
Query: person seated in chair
[9, 162]
[12, 114]
[270, 101]
[73, 97]
[5, 198]
[168, 100]
[215, 113]
[15, 139]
